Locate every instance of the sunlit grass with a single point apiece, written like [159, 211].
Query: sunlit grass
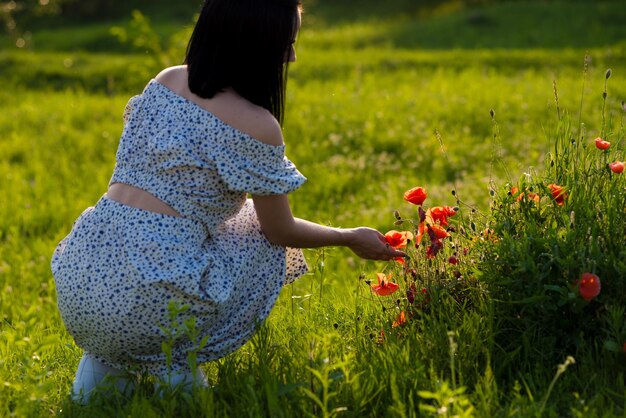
[361, 121]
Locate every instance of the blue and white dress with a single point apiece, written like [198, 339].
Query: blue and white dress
[120, 267]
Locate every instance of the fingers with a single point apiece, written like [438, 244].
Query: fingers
[390, 253]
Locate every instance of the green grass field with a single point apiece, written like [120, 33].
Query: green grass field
[371, 87]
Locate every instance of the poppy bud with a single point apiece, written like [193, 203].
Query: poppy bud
[492, 113]
[335, 325]
[410, 294]
[607, 74]
[397, 214]
[604, 94]
[422, 214]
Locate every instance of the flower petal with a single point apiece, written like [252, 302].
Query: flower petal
[416, 195]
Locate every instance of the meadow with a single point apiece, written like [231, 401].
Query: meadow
[464, 101]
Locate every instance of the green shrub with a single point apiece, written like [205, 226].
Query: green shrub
[546, 241]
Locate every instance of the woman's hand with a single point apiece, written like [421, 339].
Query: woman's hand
[370, 244]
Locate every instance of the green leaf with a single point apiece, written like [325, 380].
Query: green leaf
[612, 346]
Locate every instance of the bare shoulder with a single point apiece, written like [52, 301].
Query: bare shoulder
[227, 106]
[173, 77]
[254, 121]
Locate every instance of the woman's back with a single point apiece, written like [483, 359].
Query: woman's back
[175, 148]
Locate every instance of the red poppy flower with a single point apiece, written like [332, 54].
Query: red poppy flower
[558, 193]
[441, 213]
[399, 260]
[617, 167]
[398, 239]
[589, 286]
[530, 196]
[401, 320]
[416, 195]
[438, 231]
[384, 286]
[602, 144]
[453, 260]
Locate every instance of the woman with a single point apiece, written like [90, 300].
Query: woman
[175, 227]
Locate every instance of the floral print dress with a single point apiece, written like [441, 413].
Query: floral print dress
[120, 268]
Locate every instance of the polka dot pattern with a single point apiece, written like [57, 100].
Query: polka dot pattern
[120, 267]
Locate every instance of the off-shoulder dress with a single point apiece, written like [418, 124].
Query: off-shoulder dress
[121, 268]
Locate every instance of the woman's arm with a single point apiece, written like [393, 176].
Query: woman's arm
[280, 227]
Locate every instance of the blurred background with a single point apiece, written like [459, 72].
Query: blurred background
[375, 83]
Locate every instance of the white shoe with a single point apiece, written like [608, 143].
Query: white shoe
[186, 381]
[93, 374]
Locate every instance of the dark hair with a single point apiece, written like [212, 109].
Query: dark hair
[243, 44]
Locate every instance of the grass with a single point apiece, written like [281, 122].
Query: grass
[364, 101]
